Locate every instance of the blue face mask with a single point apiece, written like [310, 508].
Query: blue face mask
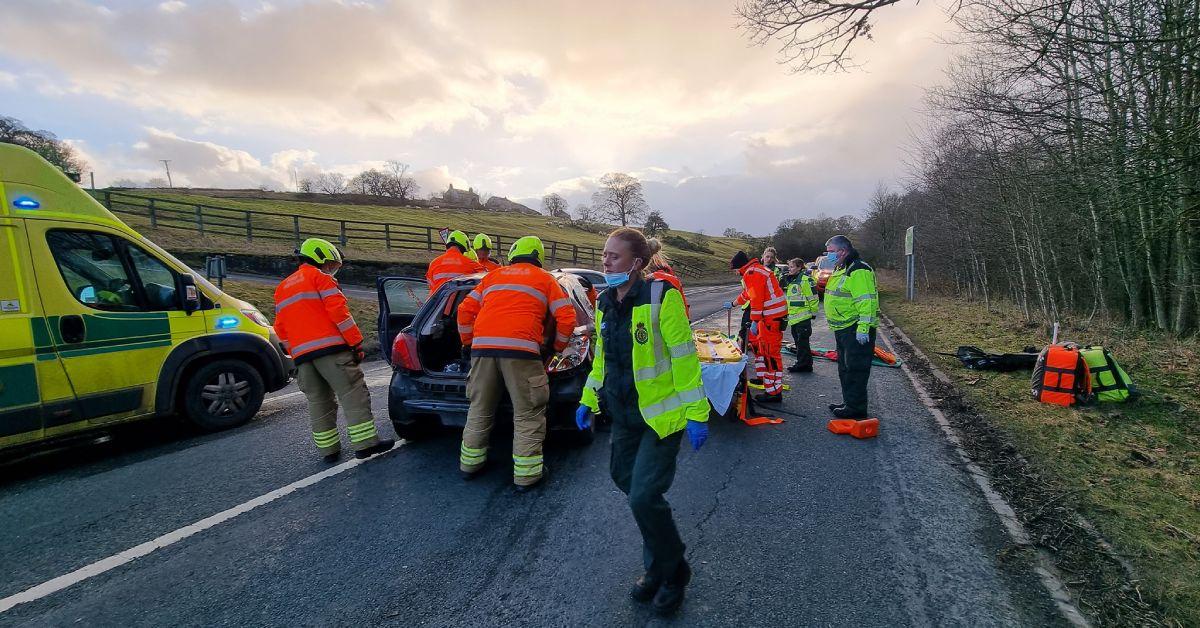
[833, 256]
[614, 280]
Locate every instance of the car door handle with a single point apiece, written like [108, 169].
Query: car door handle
[71, 329]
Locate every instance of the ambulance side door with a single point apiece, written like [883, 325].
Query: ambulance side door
[36, 399]
[111, 333]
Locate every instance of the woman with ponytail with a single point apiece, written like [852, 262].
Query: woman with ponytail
[646, 378]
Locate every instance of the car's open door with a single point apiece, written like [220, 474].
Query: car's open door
[400, 298]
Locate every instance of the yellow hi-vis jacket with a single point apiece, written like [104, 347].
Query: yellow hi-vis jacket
[666, 368]
[851, 298]
[802, 302]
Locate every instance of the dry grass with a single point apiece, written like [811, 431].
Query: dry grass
[1132, 469]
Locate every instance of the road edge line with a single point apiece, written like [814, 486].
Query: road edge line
[1047, 572]
[104, 565]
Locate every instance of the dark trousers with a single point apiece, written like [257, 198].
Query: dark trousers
[643, 467]
[744, 330]
[854, 368]
[801, 332]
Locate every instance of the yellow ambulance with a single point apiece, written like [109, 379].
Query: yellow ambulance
[99, 326]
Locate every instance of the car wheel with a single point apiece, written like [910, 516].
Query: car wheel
[223, 394]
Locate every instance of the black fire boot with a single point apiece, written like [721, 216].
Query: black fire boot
[377, 448]
[768, 398]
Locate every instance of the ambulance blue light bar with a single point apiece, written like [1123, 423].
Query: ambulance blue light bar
[227, 322]
[25, 202]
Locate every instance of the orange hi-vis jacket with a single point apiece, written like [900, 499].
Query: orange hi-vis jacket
[668, 275]
[311, 316]
[505, 315]
[489, 265]
[766, 298]
[453, 263]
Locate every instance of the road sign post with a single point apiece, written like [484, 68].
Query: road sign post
[214, 268]
[910, 292]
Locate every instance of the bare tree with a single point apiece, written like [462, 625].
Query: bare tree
[812, 35]
[620, 199]
[306, 185]
[330, 183]
[555, 206]
[399, 183]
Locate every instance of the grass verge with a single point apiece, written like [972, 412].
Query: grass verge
[262, 296]
[1132, 470]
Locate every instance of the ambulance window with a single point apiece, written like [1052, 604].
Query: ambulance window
[92, 269]
[157, 280]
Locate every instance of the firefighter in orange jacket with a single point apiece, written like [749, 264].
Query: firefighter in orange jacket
[503, 323]
[483, 250]
[315, 325]
[453, 263]
[768, 310]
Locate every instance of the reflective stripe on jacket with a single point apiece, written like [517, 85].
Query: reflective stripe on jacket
[801, 301]
[505, 315]
[666, 369]
[762, 292]
[311, 314]
[851, 298]
[449, 265]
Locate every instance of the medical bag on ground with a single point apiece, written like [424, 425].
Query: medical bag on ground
[1061, 376]
[1110, 382]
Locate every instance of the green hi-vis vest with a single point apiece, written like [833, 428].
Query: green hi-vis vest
[851, 298]
[1110, 382]
[666, 370]
[801, 301]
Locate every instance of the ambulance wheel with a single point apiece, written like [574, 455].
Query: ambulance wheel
[223, 394]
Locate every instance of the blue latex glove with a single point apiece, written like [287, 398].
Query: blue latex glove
[754, 328]
[727, 305]
[862, 338]
[583, 417]
[697, 433]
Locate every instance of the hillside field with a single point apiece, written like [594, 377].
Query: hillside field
[184, 236]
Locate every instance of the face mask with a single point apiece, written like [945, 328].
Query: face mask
[618, 279]
[833, 256]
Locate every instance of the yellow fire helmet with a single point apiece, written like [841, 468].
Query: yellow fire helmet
[319, 251]
[483, 241]
[528, 245]
[459, 238]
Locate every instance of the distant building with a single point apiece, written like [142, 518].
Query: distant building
[467, 198]
[501, 204]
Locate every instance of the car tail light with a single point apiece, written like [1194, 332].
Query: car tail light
[404, 353]
[574, 355]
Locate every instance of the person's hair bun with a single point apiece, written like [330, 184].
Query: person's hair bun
[654, 244]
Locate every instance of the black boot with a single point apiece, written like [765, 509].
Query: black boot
[796, 368]
[541, 481]
[833, 407]
[846, 412]
[333, 457]
[645, 588]
[670, 595]
[377, 448]
[768, 398]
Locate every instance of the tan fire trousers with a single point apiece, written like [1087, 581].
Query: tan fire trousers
[528, 387]
[327, 380]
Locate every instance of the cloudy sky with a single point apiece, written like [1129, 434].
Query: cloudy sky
[515, 98]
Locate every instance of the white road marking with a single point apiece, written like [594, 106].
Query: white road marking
[1045, 568]
[112, 562]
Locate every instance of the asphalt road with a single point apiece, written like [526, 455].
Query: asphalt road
[786, 525]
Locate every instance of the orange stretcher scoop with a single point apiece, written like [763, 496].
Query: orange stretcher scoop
[867, 428]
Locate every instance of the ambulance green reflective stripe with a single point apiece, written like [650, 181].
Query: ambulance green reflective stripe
[20, 385]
